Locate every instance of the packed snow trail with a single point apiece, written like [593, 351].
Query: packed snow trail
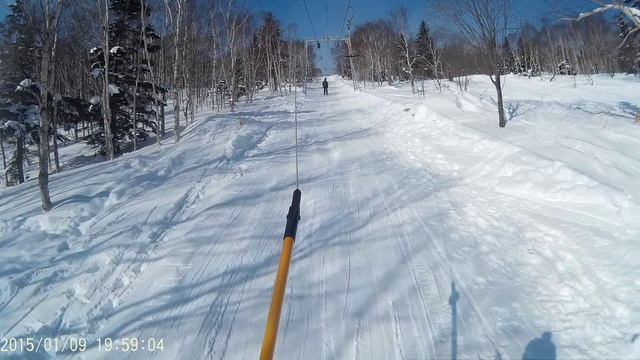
[407, 247]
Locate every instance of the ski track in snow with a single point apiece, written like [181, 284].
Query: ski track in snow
[403, 201]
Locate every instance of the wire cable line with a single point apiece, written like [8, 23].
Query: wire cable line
[345, 18]
[326, 16]
[309, 17]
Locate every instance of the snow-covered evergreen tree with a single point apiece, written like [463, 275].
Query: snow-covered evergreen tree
[130, 90]
[508, 57]
[424, 49]
[629, 49]
[626, 51]
[270, 36]
[18, 91]
[629, 8]
[565, 68]
[635, 37]
[406, 57]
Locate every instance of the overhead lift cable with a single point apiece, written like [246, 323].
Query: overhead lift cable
[326, 17]
[346, 12]
[295, 126]
[309, 17]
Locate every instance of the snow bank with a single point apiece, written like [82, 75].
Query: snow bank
[70, 221]
[537, 179]
[248, 134]
[566, 144]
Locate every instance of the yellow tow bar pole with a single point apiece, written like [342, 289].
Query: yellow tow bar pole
[273, 319]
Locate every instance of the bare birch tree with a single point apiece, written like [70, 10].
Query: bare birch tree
[157, 101]
[483, 23]
[400, 21]
[176, 21]
[51, 16]
[106, 101]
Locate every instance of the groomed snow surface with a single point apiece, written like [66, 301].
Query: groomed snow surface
[426, 232]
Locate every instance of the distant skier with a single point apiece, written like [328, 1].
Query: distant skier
[325, 86]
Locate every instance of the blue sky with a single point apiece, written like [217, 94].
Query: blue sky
[3, 7]
[327, 15]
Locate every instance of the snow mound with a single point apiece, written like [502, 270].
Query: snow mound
[116, 49]
[114, 89]
[466, 104]
[72, 220]
[538, 179]
[249, 133]
[26, 83]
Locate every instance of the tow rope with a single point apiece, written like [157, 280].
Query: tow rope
[273, 319]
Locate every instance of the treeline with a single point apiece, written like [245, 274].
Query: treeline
[480, 39]
[103, 71]
[386, 50]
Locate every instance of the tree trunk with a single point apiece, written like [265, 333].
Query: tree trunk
[19, 159]
[162, 126]
[162, 80]
[186, 78]
[48, 53]
[56, 155]
[4, 161]
[135, 110]
[502, 122]
[49, 147]
[43, 175]
[176, 90]
[106, 102]
[176, 113]
[153, 76]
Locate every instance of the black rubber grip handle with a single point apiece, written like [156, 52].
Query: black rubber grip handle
[293, 216]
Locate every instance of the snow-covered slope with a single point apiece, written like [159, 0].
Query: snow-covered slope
[426, 231]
